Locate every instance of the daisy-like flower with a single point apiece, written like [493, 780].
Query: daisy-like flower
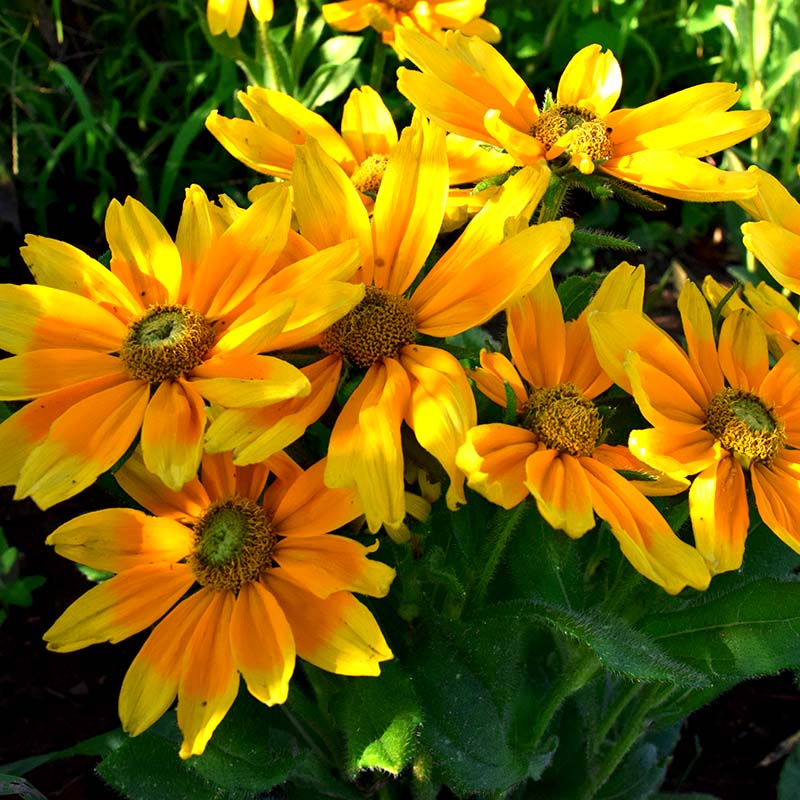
[227, 16]
[140, 348]
[718, 412]
[368, 136]
[405, 380]
[554, 452]
[430, 17]
[774, 239]
[469, 88]
[271, 582]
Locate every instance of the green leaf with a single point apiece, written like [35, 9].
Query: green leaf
[789, 782]
[19, 787]
[379, 717]
[751, 630]
[102, 745]
[575, 293]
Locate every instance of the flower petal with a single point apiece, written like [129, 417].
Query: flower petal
[678, 450]
[743, 353]
[492, 376]
[262, 644]
[777, 248]
[117, 539]
[337, 634]
[119, 607]
[209, 679]
[172, 433]
[367, 124]
[592, 79]
[82, 443]
[323, 565]
[365, 451]
[720, 517]
[699, 333]
[777, 493]
[494, 457]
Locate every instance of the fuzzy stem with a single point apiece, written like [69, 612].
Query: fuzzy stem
[266, 57]
[510, 521]
[550, 208]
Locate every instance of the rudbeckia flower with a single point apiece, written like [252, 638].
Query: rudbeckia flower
[391, 335]
[469, 88]
[718, 412]
[554, 453]
[227, 16]
[140, 348]
[774, 239]
[429, 17]
[362, 149]
[251, 583]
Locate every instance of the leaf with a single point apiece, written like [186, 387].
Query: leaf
[752, 630]
[19, 787]
[576, 292]
[789, 781]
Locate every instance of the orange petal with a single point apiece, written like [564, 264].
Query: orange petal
[496, 371]
[198, 228]
[337, 634]
[559, 484]
[644, 536]
[780, 392]
[323, 565]
[209, 680]
[82, 443]
[652, 483]
[118, 539]
[720, 517]
[151, 682]
[143, 256]
[262, 644]
[442, 409]
[39, 318]
[592, 79]
[308, 507]
[743, 353]
[699, 333]
[777, 496]
[119, 607]
[365, 451]
[677, 450]
[493, 458]
[218, 476]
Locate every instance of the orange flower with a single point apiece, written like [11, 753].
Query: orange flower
[404, 380]
[718, 412]
[227, 16]
[469, 88]
[280, 123]
[429, 17]
[140, 348]
[271, 579]
[553, 452]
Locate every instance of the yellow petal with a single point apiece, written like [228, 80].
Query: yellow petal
[773, 203]
[652, 483]
[118, 539]
[337, 634]
[495, 371]
[209, 680]
[172, 433]
[367, 124]
[469, 161]
[225, 16]
[524, 148]
[151, 682]
[720, 517]
[592, 79]
[776, 491]
[699, 333]
[777, 248]
[743, 353]
[675, 449]
[256, 330]
[119, 607]
[323, 565]
[198, 228]
[442, 409]
[493, 458]
[262, 644]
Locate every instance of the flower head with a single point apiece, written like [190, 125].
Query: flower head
[718, 412]
[430, 17]
[227, 16]
[555, 451]
[469, 88]
[266, 580]
[407, 379]
[142, 347]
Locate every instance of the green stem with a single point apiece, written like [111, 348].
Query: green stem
[550, 208]
[510, 521]
[266, 56]
[574, 676]
[378, 62]
[306, 736]
[651, 697]
[613, 713]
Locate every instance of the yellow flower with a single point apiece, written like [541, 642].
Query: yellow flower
[429, 17]
[469, 88]
[271, 582]
[362, 149]
[553, 452]
[140, 348]
[405, 381]
[775, 238]
[779, 317]
[227, 16]
[718, 412]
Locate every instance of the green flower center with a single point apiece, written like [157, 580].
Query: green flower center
[586, 139]
[233, 544]
[563, 419]
[166, 342]
[745, 427]
[378, 327]
[369, 174]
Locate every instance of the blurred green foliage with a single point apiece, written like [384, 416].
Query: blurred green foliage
[15, 590]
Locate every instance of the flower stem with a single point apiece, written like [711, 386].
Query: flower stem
[510, 521]
[550, 209]
[270, 78]
[378, 62]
